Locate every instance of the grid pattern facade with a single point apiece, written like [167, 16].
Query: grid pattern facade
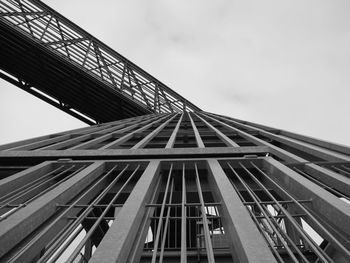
[184, 187]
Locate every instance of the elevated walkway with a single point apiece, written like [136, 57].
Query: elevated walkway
[50, 57]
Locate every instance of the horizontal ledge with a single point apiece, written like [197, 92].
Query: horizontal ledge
[139, 153]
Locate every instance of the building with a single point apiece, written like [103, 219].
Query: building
[155, 179]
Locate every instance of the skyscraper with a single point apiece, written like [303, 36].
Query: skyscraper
[155, 178]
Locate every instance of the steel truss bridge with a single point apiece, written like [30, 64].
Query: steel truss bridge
[50, 57]
[176, 184]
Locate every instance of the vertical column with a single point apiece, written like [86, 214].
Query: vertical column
[22, 178]
[120, 129]
[118, 241]
[330, 208]
[131, 134]
[207, 240]
[340, 182]
[20, 224]
[287, 156]
[172, 138]
[183, 218]
[199, 140]
[247, 244]
[222, 136]
[153, 134]
[308, 147]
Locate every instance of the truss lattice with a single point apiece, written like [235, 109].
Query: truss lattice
[56, 34]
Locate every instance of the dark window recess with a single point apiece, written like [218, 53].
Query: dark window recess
[281, 218]
[137, 137]
[160, 140]
[83, 219]
[168, 208]
[7, 170]
[185, 137]
[339, 167]
[240, 140]
[304, 155]
[210, 139]
[105, 142]
[74, 144]
[274, 131]
[184, 140]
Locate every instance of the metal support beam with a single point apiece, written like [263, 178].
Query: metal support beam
[118, 241]
[199, 140]
[249, 246]
[21, 223]
[222, 136]
[172, 138]
[128, 136]
[339, 181]
[325, 144]
[17, 180]
[151, 135]
[327, 206]
[72, 54]
[138, 153]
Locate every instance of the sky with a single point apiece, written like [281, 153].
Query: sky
[285, 64]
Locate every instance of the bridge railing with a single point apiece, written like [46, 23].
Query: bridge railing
[61, 36]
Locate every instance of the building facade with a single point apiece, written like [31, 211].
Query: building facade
[190, 187]
[154, 178]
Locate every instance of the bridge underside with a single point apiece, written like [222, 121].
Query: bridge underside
[59, 82]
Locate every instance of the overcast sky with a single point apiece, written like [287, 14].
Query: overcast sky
[285, 64]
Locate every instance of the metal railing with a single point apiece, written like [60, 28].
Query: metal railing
[59, 35]
[287, 224]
